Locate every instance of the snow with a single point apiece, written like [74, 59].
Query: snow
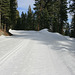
[37, 53]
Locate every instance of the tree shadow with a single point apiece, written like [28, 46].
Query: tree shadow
[54, 40]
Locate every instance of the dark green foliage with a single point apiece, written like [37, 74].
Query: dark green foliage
[51, 14]
[42, 15]
[21, 22]
[30, 19]
[27, 21]
[18, 25]
[62, 14]
[7, 14]
[13, 12]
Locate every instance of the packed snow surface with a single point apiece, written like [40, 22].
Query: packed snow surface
[37, 53]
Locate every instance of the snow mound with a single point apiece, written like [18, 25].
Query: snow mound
[44, 31]
[72, 39]
[2, 36]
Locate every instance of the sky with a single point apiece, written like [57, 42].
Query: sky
[24, 4]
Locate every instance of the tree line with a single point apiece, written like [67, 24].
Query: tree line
[50, 14]
[8, 14]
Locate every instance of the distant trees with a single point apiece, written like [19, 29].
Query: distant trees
[30, 19]
[26, 21]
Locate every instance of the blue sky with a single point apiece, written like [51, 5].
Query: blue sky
[69, 18]
[24, 4]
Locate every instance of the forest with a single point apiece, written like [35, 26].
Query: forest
[50, 14]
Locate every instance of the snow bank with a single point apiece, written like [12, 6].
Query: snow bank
[2, 36]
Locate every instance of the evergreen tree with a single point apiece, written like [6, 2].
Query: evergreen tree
[45, 19]
[53, 9]
[22, 21]
[5, 14]
[18, 24]
[38, 12]
[62, 15]
[25, 21]
[30, 19]
[42, 14]
[13, 12]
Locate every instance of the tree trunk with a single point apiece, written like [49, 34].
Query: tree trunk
[38, 27]
[5, 28]
[74, 25]
[61, 27]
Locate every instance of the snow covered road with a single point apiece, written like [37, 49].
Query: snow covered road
[37, 53]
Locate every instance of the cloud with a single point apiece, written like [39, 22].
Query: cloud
[69, 16]
[25, 3]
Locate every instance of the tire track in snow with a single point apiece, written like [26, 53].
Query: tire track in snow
[12, 52]
[68, 61]
[9, 42]
[19, 58]
[4, 40]
[7, 46]
[57, 61]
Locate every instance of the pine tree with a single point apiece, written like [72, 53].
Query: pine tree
[42, 14]
[18, 24]
[30, 19]
[38, 9]
[13, 10]
[22, 21]
[5, 14]
[62, 15]
[45, 19]
[25, 21]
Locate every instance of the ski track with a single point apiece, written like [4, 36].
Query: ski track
[36, 53]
